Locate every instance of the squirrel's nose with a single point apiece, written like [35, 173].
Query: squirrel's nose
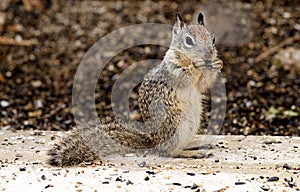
[207, 55]
[207, 61]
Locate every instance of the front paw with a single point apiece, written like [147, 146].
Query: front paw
[217, 64]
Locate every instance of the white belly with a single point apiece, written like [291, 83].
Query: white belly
[191, 103]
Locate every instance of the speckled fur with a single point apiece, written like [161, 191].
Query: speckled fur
[170, 101]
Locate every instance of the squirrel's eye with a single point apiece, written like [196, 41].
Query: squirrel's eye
[189, 41]
[214, 41]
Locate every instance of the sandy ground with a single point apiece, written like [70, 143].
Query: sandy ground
[238, 163]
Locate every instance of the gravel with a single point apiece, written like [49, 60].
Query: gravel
[267, 172]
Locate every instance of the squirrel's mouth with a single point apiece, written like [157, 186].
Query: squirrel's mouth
[216, 64]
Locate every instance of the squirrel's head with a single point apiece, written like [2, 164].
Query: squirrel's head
[194, 40]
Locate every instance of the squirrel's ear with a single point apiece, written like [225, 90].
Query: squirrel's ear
[201, 19]
[179, 24]
[178, 18]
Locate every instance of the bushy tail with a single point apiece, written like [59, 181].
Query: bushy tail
[70, 151]
[90, 142]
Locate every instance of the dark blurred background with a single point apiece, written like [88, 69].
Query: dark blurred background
[43, 41]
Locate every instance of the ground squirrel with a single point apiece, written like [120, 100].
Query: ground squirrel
[170, 101]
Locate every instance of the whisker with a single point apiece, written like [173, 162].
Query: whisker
[200, 65]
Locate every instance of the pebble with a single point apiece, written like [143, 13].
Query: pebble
[240, 183]
[190, 174]
[88, 162]
[287, 166]
[178, 184]
[19, 155]
[128, 182]
[194, 186]
[38, 103]
[2, 18]
[142, 164]
[8, 74]
[22, 168]
[274, 30]
[265, 187]
[150, 172]
[47, 186]
[119, 179]
[4, 103]
[130, 155]
[35, 113]
[286, 15]
[297, 26]
[271, 21]
[18, 38]
[36, 83]
[146, 178]
[271, 179]
[2, 78]
[43, 177]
